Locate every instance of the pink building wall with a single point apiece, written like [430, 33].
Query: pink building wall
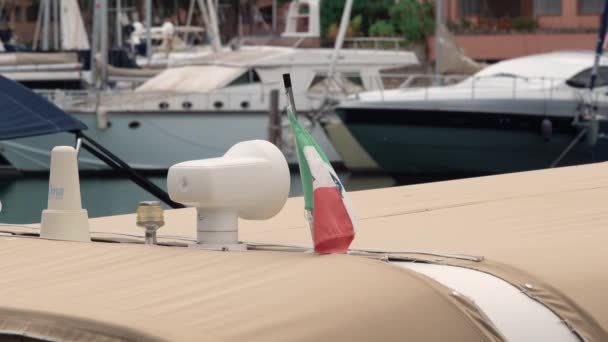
[503, 46]
[498, 46]
[570, 18]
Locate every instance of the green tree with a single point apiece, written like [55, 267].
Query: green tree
[382, 28]
[413, 19]
[370, 11]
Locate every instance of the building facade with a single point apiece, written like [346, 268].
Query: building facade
[19, 17]
[497, 29]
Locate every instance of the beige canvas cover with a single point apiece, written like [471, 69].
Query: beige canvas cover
[453, 59]
[243, 57]
[191, 79]
[35, 58]
[102, 291]
[132, 72]
[542, 231]
[546, 229]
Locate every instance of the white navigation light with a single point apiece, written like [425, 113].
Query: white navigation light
[64, 219]
[250, 181]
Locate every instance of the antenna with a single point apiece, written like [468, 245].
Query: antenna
[226, 188]
[591, 111]
[64, 218]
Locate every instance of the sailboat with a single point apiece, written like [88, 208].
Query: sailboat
[65, 66]
[201, 109]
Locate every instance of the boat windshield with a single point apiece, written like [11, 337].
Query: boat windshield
[478, 77]
[581, 80]
[248, 77]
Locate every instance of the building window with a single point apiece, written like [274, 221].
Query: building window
[470, 7]
[31, 13]
[590, 6]
[304, 9]
[547, 7]
[18, 14]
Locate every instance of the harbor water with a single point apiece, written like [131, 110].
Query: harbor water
[24, 198]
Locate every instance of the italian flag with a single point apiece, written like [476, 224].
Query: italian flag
[329, 211]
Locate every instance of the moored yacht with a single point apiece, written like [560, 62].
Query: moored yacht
[520, 114]
[199, 110]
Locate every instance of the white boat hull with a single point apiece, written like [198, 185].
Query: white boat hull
[155, 141]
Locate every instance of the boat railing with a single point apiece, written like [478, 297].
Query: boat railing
[68, 99]
[427, 87]
[95, 100]
[376, 43]
[472, 87]
[392, 81]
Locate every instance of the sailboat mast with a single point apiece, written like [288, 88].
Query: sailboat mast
[274, 16]
[340, 38]
[56, 24]
[99, 48]
[189, 19]
[589, 110]
[438, 20]
[149, 29]
[104, 43]
[46, 8]
[599, 48]
[217, 42]
[118, 23]
[37, 30]
[94, 43]
[211, 32]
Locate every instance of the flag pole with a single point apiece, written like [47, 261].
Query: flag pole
[327, 209]
[291, 112]
[289, 92]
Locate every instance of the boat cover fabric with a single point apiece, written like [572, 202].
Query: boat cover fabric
[61, 290]
[24, 113]
[36, 58]
[245, 56]
[262, 57]
[132, 72]
[542, 231]
[192, 79]
[453, 59]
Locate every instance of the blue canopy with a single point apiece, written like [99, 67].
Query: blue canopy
[24, 113]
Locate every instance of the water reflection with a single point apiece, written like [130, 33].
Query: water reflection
[24, 198]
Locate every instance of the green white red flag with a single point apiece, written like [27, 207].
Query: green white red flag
[329, 211]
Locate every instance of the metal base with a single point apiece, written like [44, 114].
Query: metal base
[239, 247]
[67, 225]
